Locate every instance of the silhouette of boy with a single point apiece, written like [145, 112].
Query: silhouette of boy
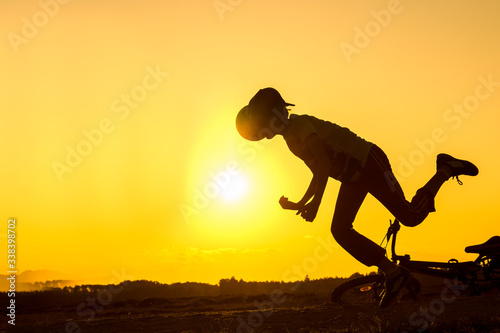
[330, 150]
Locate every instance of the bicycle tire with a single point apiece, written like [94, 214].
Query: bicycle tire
[365, 290]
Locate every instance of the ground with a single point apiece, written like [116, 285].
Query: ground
[444, 310]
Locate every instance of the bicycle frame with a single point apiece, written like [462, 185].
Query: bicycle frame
[368, 289]
[466, 272]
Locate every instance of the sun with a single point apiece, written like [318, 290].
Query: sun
[235, 189]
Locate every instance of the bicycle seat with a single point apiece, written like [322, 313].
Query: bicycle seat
[491, 246]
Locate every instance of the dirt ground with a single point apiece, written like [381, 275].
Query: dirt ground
[434, 311]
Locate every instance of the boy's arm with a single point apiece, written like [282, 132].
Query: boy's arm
[320, 178]
[287, 204]
[311, 190]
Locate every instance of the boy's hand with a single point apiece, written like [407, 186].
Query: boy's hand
[309, 211]
[287, 204]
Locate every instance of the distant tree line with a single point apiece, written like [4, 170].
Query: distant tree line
[144, 289]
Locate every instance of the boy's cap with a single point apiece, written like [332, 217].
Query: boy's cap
[267, 97]
[262, 104]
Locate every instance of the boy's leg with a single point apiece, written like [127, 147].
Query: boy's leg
[383, 185]
[349, 200]
[392, 197]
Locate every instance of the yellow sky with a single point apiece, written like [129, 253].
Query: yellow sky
[119, 151]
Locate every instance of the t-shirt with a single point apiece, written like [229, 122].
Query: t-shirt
[348, 152]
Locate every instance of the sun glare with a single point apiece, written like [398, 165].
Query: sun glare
[235, 189]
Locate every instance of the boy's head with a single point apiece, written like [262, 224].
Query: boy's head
[264, 116]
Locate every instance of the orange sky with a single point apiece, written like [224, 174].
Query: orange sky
[120, 152]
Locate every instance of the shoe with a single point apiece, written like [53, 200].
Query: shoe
[456, 166]
[413, 287]
[394, 285]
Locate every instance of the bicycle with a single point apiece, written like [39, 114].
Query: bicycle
[369, 289]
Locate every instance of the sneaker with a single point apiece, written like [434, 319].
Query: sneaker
[456, 166]
[393, 285]
[413, 287]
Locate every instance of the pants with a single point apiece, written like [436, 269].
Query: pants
[377, 179]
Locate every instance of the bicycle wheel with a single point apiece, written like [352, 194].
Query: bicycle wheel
[365, 290]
